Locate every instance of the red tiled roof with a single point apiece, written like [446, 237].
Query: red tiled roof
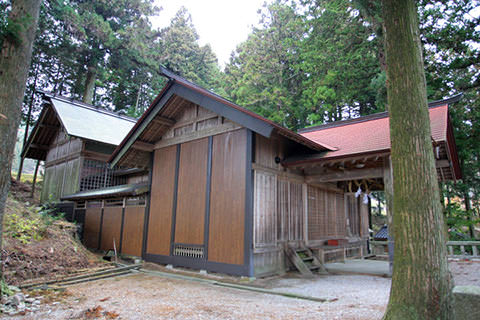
[369, 134]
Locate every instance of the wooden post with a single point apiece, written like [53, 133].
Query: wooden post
[388, 183]
[34, 179]
[20, 168]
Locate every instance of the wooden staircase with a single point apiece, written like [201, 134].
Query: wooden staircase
[305, 261]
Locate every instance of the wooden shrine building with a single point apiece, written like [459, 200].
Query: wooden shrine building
[230, 191]
[75, 140]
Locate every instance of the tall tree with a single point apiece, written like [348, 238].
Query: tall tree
[17, 36]
[263, 73]
[341, 57]
[452, 56]
[179, 50]
[308, 64]
[421, 283]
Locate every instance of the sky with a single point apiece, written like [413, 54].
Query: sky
[222, 23]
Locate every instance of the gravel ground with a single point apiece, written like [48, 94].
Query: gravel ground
[147, 296]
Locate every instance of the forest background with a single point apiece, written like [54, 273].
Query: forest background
[307, 62]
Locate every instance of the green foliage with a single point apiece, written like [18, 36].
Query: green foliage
[24, 228]
[114, 44]
[452, 56]
[459, 221]
[309, 64]
[5, 289]
[10, 28]
[29, 224]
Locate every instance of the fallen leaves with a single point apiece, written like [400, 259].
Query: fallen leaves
[97, 312]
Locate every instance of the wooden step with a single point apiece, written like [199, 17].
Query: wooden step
[305, 261]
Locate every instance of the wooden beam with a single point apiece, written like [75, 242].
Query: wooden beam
[143, 146]
[227, 127]
[163, 121]
[346, 175]
[39, 146]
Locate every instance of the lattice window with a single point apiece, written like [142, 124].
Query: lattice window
[80, 205]
[97, 174]
[190, 251]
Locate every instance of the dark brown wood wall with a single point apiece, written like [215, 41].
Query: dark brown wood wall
[192, 178]
[227, 208]
[111, 227]
[160, 218]
[91, 229]
[133, 231]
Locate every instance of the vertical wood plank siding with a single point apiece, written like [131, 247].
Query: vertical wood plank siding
[265, 208]
[158, 240]
[191, 192]
[133, 231]
[295, 211]
[227, 208]
[91, 231]
[112, 219]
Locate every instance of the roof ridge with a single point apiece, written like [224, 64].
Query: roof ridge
[376, 116]
[87, 106]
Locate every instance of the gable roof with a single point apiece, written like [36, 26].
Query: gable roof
[180, 91]
[78, 119]
[85, 121]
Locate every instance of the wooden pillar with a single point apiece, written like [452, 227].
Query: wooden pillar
[20, 168]
[388, 183]
[35, 179]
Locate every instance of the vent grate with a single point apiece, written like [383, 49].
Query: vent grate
[190, 251]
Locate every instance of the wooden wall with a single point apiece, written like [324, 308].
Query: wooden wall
[182, 204]
[290, 214]
[91, 229]
[62, 167]
[288, 211]
[192, 180]
[120, 219]
[265, 209]
[163, 184]
[132, 236]
[227, 208]
[111, 228]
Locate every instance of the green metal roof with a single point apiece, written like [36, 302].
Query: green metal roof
[109, 192]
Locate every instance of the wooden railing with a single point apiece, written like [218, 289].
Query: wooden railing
[451, 245]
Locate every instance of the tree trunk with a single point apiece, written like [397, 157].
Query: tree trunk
[27, 124]
[421, 282]
[90, 84]
[15, 57]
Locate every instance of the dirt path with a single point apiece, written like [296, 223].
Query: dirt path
[147, 296]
